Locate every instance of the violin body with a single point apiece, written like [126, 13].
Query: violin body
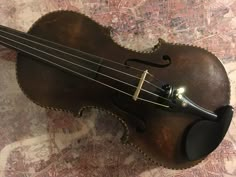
[162, 139]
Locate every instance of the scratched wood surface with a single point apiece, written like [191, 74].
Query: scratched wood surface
[45, 143]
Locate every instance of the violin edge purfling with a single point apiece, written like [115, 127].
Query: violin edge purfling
[164, 139]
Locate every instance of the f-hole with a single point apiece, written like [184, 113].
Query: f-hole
[164, 57]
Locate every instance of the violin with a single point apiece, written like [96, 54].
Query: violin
[172, 100]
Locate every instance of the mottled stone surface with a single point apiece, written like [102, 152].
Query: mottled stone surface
[35, 142]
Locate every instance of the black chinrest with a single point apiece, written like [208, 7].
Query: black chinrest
[204, 136]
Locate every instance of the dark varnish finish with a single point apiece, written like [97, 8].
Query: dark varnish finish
[164, 132]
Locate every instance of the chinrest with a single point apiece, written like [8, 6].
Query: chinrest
[204, 136]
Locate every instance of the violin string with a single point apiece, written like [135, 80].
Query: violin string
[75, 64]
[87, 77]
[89, 54]
[85, 53]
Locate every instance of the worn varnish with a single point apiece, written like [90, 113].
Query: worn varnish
[162, 140]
